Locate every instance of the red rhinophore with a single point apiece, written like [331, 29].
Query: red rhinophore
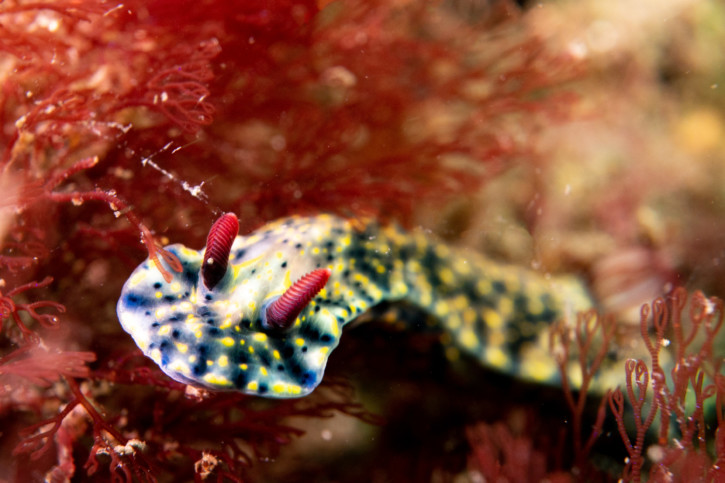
[218, 245]
[282, 312]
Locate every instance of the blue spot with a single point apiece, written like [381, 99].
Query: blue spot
[134, 300]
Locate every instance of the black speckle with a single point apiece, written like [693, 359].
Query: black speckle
[169, 298]
[326, 338]
[210, 321]
[241, 380]
[317, 308]
[288, 351]
[285, 241]
[208, 296]
[254, 270]
[304, 349]
[280, 368]
[174, 318]
[199, 368]
[165, 345]
[214, 332]
[175, 333]
[330, 258]
[262, 388]
[284, 264]
[147, 313]
[155, 324]
[298, 245]
[297, 369]
[157, 285]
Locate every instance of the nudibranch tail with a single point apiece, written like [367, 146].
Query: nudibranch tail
[282, 313]
[218, 246]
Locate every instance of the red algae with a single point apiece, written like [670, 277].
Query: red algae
[129, 126]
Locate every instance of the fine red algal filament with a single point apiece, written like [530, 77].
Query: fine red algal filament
[218, 245]
[282, 313]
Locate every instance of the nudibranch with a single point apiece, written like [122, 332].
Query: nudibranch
[262, 313]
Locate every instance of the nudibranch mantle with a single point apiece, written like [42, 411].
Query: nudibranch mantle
[218, 339]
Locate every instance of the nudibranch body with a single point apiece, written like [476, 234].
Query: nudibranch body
[214, 332]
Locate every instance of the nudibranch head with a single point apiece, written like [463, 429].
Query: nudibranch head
[249, 328]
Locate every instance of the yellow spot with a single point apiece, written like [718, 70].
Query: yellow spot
[446, 275]
[496, 338]
[484, 286]
[158, 294]
[209, 362]
[452, 353]
[160, 313]
[175, 287]
[492, 319]
[216, 380]
[192, 359]
[300, 342]
[535, 306]
[537, 364]
[442, 251]
[165, 330]
[468, 339]
[259, 336]
[226, 324]
[505, 306]
[243, 367]
[316, 251]
[182, 347]
[344, 313]
[441, 308]
[251, 349]
[253, 385]
[137, 278]
[380, 269]
[155, 355]
[223, 361]
[469, 316]
[179, 367]
[263, 371]
[453, 322]
[496, 357]
[276, 354]
[227, 341]
[252, 305]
